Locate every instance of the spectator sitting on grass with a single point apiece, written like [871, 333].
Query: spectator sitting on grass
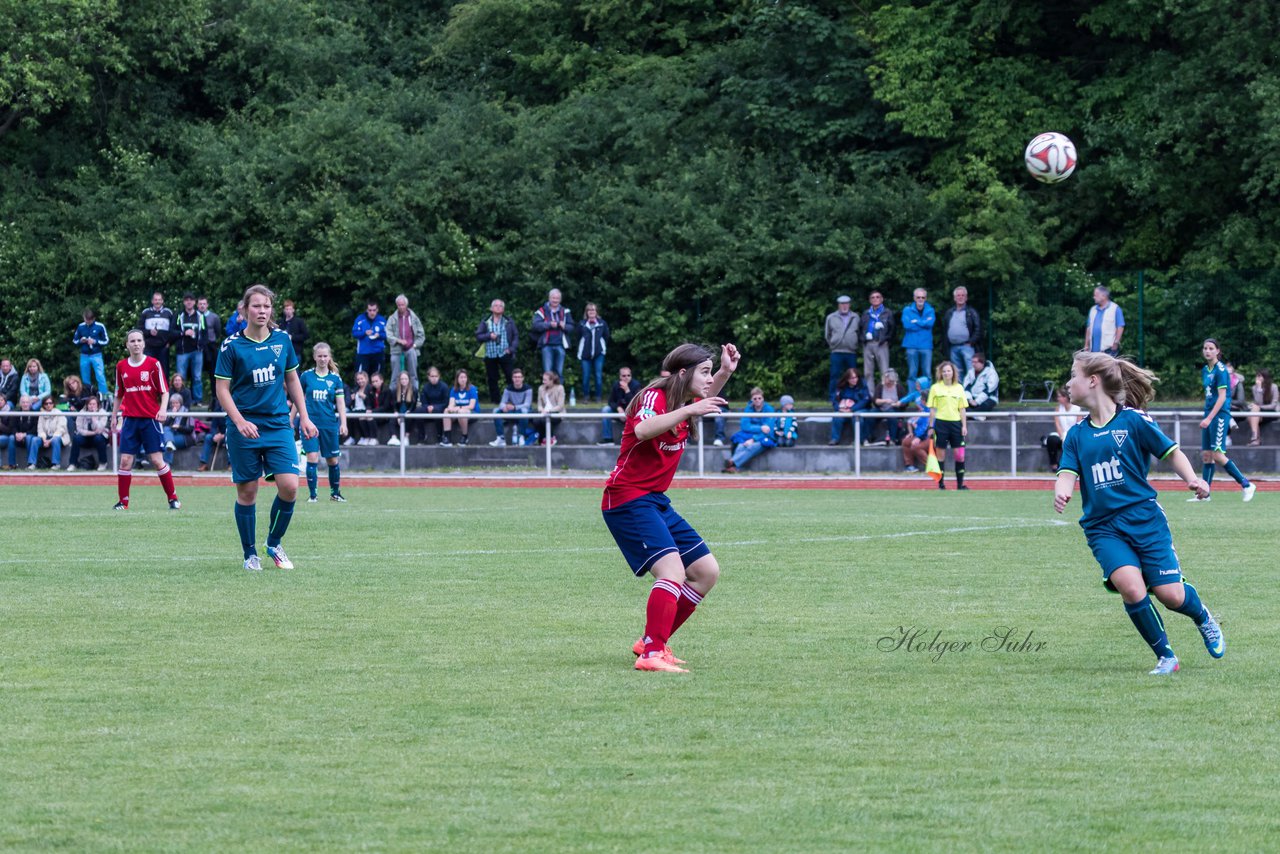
[850, 396]
[787, 432]
[755, 433]
[464, 398]
[516, 397]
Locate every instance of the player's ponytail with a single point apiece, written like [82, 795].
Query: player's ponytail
[1122, 380]
[676, 384]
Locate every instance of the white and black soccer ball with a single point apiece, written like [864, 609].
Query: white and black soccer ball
[1050, 158]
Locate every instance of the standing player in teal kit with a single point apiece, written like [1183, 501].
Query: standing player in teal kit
[257, 378]
[1109, 453]
[1217, 420]
[326, 404]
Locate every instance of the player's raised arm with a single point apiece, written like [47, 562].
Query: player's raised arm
[729, 357]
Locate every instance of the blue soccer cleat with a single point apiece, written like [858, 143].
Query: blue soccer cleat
[1212, 634]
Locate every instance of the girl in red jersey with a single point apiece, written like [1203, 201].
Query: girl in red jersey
[142, 401]
[652, 535]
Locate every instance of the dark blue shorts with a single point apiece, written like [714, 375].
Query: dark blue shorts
[272, 453]
[326, 444]
[141, 435]
[1214, 437]
[647, 528]
[1136, 536]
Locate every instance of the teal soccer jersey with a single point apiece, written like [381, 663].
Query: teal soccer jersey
[1213, 379]
[256, 371]
[1112, 462]
[322, 394]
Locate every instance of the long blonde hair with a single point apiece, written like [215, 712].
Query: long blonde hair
[684, 358]
[1122, 380]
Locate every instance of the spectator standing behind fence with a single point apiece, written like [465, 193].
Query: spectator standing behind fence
[212, 335]
[236, 323]
[91, 432]
[464, 399]
[841, 333]
[756, 433]
[189, 346]
[295, 327]
[370, 332]
[550, 400]
[593, 338]
[34, 387]
[498, 339]
[10, 382]
[620, 396]
[516, 398]
[918, 320]
[962, 326]
[981, 384]
[1266, 398]
[552, 326]
[875, 331]
[160, 327]
[851, 395]
[433, 399]
[1065, 415]
[91, 337]
[405, 334]
[1105, 328]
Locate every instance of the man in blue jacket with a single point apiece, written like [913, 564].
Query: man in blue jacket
[91, 337]
[917, 336]
[370, 332]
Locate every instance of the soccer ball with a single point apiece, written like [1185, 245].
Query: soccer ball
[1050, 158]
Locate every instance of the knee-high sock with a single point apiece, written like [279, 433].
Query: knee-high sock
[660, 614]
[1236, 473]
[313, 476]
[247, 525]
[335, 475]
[1148, 623]
[1191, 605]
[281, 514]
[123, 479]
[1206, 472]
[166, 480]
[689, 601]
[959, 472]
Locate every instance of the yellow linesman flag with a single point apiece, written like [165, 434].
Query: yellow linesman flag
[931, 466]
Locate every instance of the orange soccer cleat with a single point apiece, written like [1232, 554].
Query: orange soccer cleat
[658, 664]
[637, 648]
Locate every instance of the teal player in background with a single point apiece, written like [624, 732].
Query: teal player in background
[326, 404]
[257, 378]
[1109, 453]
[1216, 380]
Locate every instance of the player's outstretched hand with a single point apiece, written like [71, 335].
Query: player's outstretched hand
[247, 429]
[729, 357]
[1200, 487]
[707, 406]
[308, 429]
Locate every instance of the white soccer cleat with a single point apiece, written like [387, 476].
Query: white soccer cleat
[276, 553]
[1196, 500]
[1247, 493]
[252, 564]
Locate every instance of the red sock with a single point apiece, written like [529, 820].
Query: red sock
[659, 615]
[166, 480]
[123, 479]
[688, 603]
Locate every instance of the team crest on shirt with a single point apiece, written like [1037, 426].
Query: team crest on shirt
[276, 348]
[1120, 436]
[144, 376]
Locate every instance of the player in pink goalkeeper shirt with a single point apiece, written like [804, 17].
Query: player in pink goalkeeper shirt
[652, 535]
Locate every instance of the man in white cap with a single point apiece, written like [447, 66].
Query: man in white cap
[842, 338]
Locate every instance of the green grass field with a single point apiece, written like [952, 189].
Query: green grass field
[451, 670]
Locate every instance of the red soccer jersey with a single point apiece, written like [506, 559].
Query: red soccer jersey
[645, 467]
[140, 387]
